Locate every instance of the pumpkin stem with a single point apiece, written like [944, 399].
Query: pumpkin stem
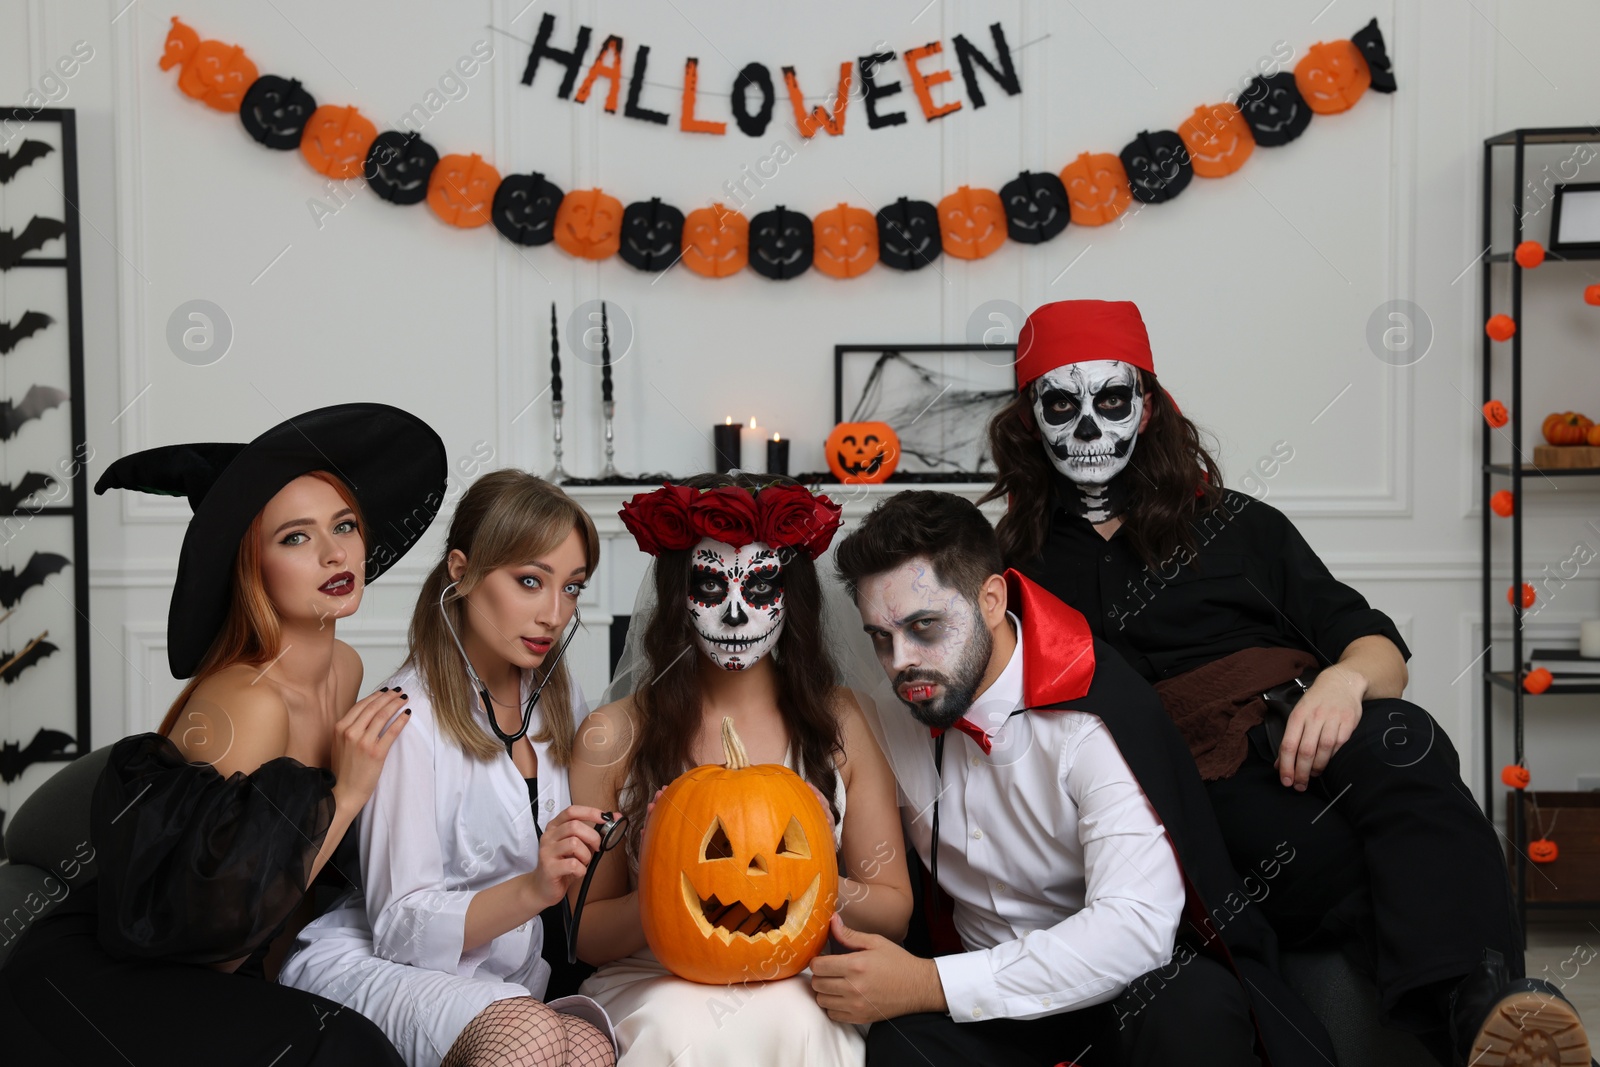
[737, 758]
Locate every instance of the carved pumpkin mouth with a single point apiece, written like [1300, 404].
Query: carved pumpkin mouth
[767, 922]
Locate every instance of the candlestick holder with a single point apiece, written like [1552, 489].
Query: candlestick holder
[609, 408]
[557, 473]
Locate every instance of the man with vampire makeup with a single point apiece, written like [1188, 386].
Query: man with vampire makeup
[1096, 918]
[1284, 682]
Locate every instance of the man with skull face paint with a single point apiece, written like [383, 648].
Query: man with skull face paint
[1284, 682]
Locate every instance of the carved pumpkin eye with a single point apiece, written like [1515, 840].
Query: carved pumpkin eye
[718, 847]
[794, 841]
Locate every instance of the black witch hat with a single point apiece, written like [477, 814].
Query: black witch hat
[392, 462]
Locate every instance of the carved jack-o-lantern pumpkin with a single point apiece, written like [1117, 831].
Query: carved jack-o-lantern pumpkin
[1218, 139]
[461, 190]
[1157, 165]
[781, 243]
[845, 241]
[524, 209]
[652, 235]
[1274, 109]
[214, 73]
[908, 234]
[1515, 775]
[1543, 851]
[1036, 207]
[275, 111]
[337, 140]
[1332, 75]
[716, 241]
[399, 165]
[737, 875]
[972, 222]
[862, 451]
[589, 224]
[1097, 188]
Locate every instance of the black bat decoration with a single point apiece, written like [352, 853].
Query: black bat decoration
[30, 323]
[27, 152]
[46, 745]
[12, 496]
[40, 399]
[13, 584]
[24, 660]
[34, 236]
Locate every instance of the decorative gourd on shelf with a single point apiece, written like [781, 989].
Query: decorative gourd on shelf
[737, 875]
[1567, 428]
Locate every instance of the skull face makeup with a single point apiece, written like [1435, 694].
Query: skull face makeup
[1088, 415]
[735, 602]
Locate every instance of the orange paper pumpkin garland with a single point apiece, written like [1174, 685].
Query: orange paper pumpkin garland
[716, 241]
[1218, 139]
[589, 224]
[1097, 188]
[1331, 76]
[214, 73]
[972, 222]
[461, 190]
[337, 140]
[845, 241]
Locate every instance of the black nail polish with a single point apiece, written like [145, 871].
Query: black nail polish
[385, 689]
[408, 711]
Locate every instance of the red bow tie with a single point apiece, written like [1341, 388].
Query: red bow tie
[969, 728]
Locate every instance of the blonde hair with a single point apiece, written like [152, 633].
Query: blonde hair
[252, 633]
[506, 518]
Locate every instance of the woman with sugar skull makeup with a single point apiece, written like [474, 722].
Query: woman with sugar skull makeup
[1284, 682]
[735, 630]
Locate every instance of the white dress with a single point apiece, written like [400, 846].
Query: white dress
[662, 1019]
[440, 826]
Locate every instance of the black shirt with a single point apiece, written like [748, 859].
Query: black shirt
[1251, 582]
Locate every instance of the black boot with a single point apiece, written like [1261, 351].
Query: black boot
[1497, 1021]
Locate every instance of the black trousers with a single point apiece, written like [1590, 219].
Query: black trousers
[1192, 1012]
[1386, 849]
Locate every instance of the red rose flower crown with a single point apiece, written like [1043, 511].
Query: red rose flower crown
[676, 517]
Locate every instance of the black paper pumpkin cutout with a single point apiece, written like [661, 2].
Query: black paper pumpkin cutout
[1275, 110]
[908, 234]
[398, 167]
[1158, 166]
[652, 235]
[1036, 207]
[524, 209]
[1370, 41]
[782, 243]
[275, 110]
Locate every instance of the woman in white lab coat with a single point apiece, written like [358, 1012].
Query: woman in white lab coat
[469, 836]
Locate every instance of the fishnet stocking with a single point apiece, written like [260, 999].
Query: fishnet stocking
[523, 1032]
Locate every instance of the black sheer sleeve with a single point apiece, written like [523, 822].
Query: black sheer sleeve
[197, 868]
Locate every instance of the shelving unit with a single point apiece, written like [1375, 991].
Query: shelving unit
[1514, 472]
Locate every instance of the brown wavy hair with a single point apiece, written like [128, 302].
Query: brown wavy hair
[667, 702]
[1172, 477]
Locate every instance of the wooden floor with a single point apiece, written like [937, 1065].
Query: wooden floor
[1565, 951]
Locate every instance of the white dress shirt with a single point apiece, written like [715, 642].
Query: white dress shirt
[1064, 884]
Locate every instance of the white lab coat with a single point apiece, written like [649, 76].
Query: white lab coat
[440, 826]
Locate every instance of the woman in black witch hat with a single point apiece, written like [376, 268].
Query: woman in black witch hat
[209, 832]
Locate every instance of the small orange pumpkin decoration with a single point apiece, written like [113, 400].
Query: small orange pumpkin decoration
[1495, 414]
[336, 141]
[1529, 254]
[1528, 595]
[1500, 327]
[1515, 775]
[1593, 437]
[737, 875]
[1218, 139]
[862, 452]
[589, 224]
[1332, 75]
[1543, 851]
[972, 222]
[716, 241]
[1537, 680]
[1503, 503]
[214, 73]
[461, 190]
[182, 40]
[1566, 428]
[1591, 294]
[844, 241]
[1097, 188]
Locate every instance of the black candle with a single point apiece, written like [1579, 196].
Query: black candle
[605, 357]
[555, 358]
[726, 440]
[778, 456]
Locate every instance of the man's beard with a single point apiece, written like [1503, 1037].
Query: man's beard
[956, 692]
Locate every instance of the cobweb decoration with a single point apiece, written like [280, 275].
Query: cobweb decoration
[942, 419]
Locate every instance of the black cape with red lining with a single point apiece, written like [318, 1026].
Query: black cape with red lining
[1064, 668]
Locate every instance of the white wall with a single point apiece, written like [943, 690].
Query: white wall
[1257, 288]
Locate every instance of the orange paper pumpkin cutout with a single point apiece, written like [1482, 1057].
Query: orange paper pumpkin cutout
[589, 224]
[1500, 327]
[1537, 680]
[844, 241]
[862, 451]
[1528, 595]
[1503, 503]
[1529, 254]
[214, 73]
[461, 190]
[716, 241]
[1543, 851]
[1591, 294]
[1097, 188]
[1332, 75]
[1218, 139]
[336, 141]
[181, 43]
[1515, 775]
[972, 222]
[1495, 414]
